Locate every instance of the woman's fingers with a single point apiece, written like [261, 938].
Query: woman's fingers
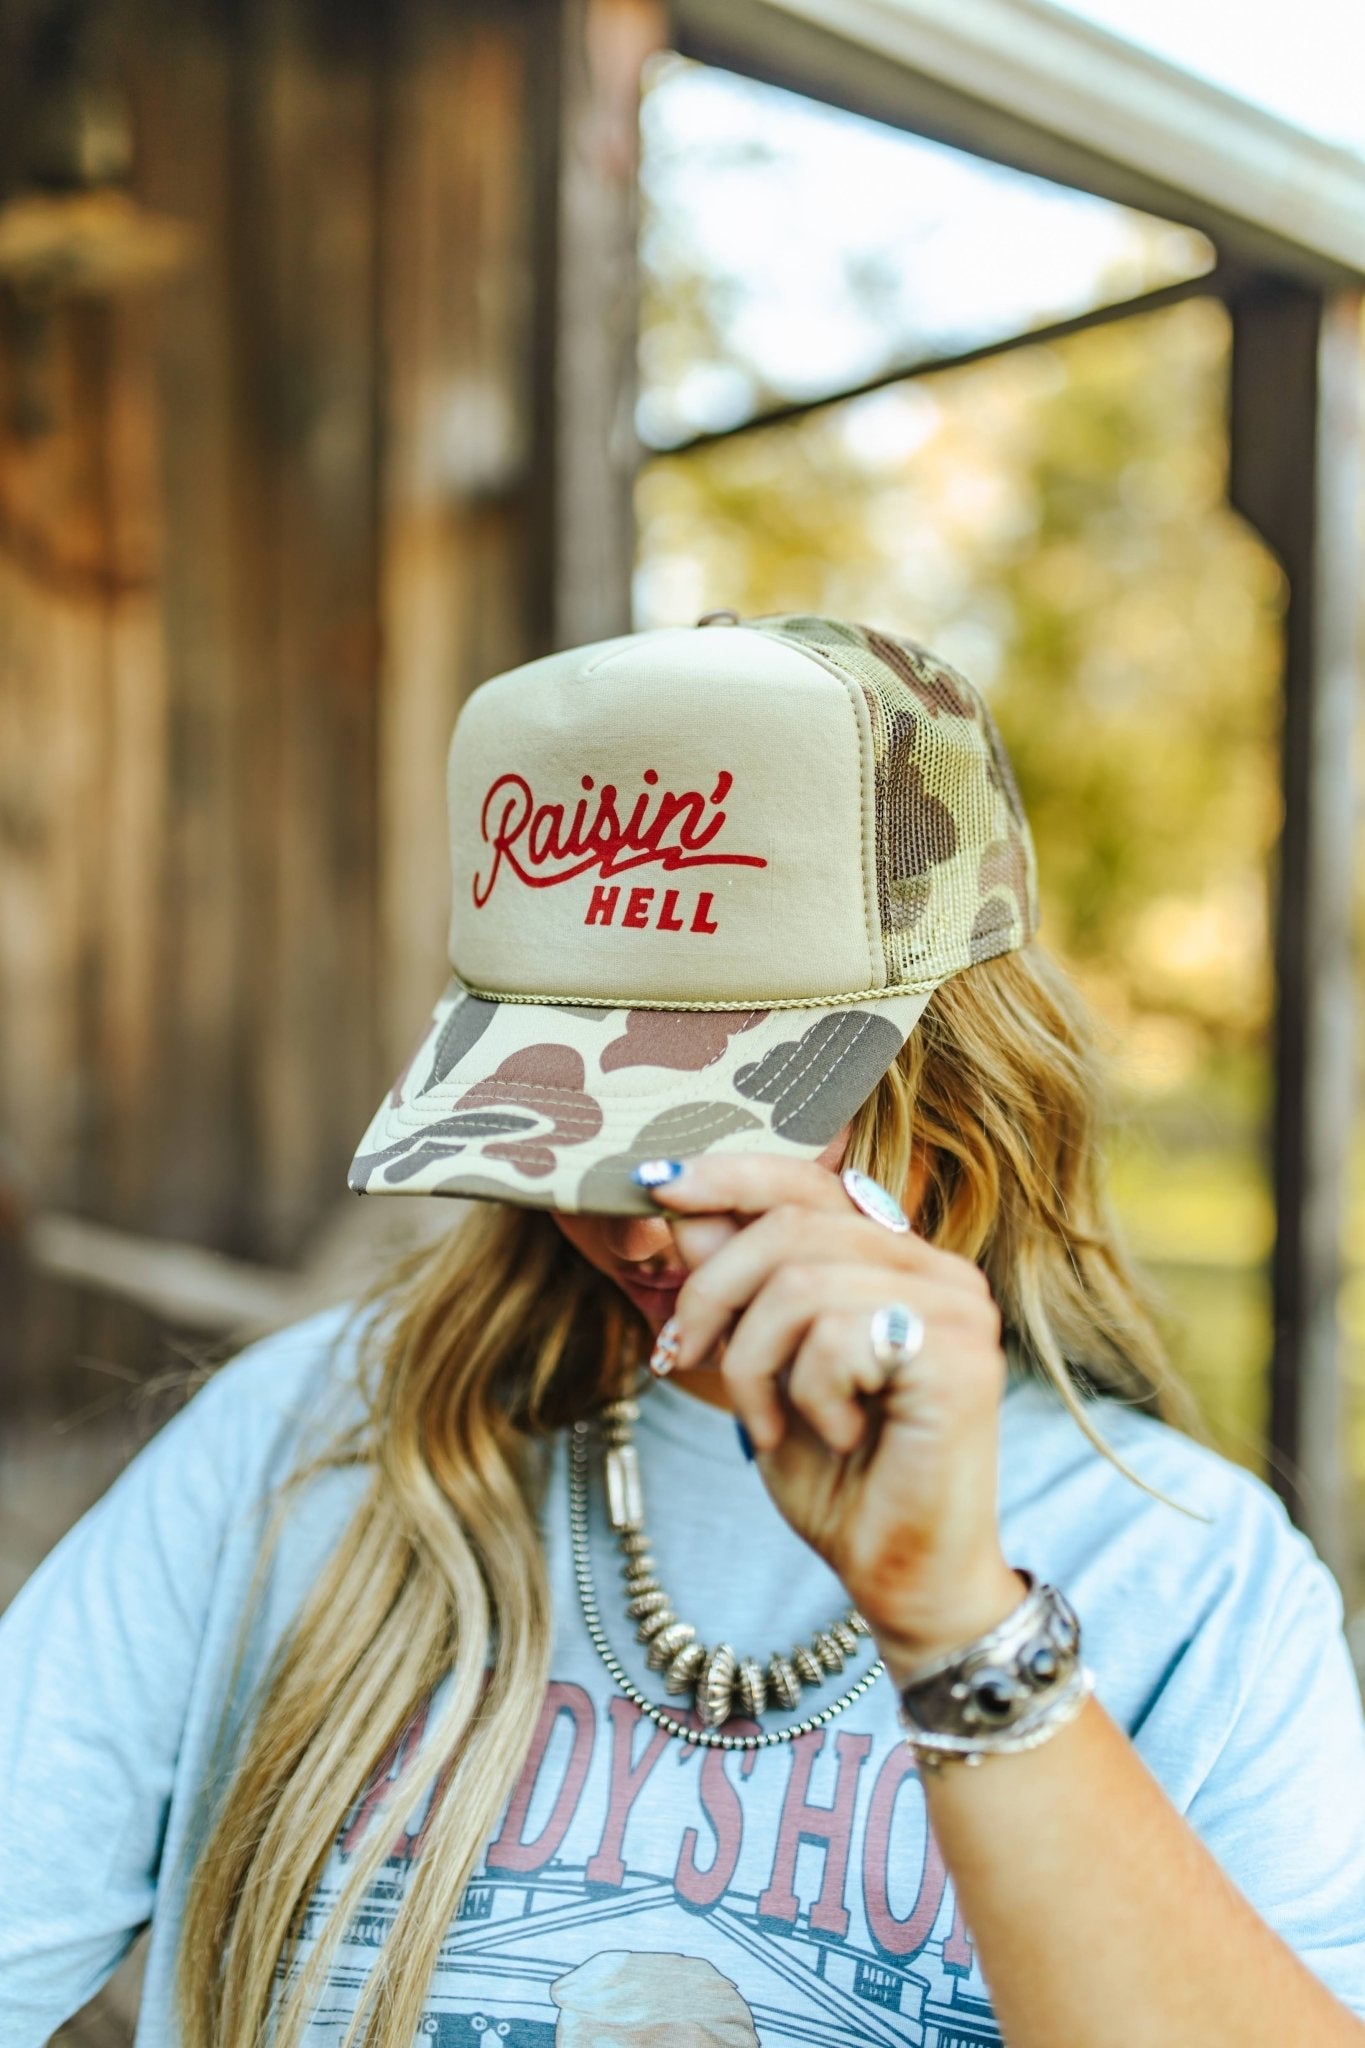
[811, 1325]
[787, 1272]
[700, 1238]
[833, 1369]
[747, 1184]
[729, 1275]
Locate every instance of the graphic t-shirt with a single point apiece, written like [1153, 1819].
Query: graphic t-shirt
[638, 1891]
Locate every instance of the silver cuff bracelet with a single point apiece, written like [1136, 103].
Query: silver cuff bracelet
[1009, 1690]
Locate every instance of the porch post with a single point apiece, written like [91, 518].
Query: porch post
[1295, 455]
[588, 282]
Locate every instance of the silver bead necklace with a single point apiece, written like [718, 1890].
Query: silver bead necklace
[721, 1683]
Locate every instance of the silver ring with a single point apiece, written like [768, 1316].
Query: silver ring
[871, 1197]
[896, 1334]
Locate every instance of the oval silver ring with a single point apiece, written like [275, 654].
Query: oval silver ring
[871, 1197]
[896, 1334]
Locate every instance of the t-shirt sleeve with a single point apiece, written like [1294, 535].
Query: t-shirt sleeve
[1283, 1806]
[98, 1655]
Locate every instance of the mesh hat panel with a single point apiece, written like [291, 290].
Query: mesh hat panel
[956, 870]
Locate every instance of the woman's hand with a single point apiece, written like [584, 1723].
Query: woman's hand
[899, 1495]
[895, 1486]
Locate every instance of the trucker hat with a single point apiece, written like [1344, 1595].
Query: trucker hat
[705, 882]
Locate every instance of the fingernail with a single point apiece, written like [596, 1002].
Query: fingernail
[667, 1345]
[655, 1173]
[746, 1442]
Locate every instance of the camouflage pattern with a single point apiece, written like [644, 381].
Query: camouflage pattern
[550, 1104]
[956, 874]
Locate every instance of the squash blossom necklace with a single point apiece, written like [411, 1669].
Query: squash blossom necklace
[721, 1683]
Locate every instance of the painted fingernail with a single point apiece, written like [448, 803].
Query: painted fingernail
[655, 1173]
[667, 1345]
[746, 1442]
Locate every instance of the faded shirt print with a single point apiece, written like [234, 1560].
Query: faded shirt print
[639, 1891]
[636, 1890]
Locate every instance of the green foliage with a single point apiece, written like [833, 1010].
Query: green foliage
[1054, 521]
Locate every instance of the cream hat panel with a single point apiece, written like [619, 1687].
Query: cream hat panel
[679, 817]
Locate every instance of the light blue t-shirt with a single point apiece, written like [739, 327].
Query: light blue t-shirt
[636, 1890]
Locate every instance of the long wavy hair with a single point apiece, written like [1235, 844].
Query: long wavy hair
[472, 1353]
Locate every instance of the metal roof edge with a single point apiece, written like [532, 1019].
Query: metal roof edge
[1025, 83]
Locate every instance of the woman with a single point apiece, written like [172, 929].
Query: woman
[876, 1669]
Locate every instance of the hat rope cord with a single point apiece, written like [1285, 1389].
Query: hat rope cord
[925, 984]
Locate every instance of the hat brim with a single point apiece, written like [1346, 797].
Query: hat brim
[550, 1105]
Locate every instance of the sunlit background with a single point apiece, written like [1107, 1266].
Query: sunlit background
[1302, 64]
[294, 368]
[316, 346]
[1054, 521]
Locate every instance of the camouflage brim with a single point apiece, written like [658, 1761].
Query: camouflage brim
[703, 884]
[551, 1105]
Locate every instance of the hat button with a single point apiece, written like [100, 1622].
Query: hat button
[718, 619]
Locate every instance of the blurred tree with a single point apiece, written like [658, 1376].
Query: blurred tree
[1053, 521]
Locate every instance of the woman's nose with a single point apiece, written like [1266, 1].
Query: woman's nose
[633, 1239]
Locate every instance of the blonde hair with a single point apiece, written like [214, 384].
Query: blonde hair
[476, 1351]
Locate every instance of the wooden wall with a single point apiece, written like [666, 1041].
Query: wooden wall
[262, 524]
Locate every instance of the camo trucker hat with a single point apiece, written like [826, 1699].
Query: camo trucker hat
[705, 880]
